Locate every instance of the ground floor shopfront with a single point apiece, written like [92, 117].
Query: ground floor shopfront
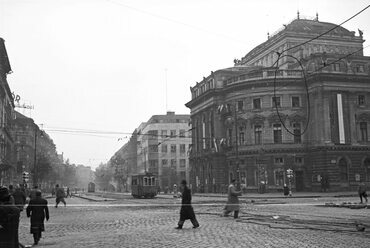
[334, 168]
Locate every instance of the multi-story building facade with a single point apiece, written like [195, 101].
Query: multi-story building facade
[162, 148]
[124, 162]
[7, 165]
[300, 101]
[85, 175]
[23, 131]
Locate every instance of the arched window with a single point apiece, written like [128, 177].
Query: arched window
[343, 170]
[367, 169]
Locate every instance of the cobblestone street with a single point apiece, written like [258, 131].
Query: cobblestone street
[151, 222]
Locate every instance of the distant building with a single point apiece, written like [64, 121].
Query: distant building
[124, 162]
[84, 176]
[257, 119]
[162, 148]
[7, 164]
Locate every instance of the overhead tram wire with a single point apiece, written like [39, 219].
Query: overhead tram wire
[97, 132]
[328, 64]
[177, 22]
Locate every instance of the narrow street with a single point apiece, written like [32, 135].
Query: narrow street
[150, 223]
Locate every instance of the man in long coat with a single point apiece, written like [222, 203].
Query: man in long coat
[186, 212]
[9, 221]
[232, 203]
[38, 210]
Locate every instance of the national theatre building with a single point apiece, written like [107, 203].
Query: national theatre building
[295, 109]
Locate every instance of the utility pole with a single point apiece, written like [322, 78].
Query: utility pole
[236, 146]
[35, 159]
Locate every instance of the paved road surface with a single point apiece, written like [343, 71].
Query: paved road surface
[151, 222]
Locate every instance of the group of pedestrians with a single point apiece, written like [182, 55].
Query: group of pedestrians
[187, 211]
[13, 201]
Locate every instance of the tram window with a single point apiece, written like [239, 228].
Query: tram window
[145, 181]
[134, 181]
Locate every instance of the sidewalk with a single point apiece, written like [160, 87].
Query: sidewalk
[277, 195]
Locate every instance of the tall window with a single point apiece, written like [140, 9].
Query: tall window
[164, 162]
[361, 100]
[173, 163]
[276, 102]
[164, 148]
[258, 134]
[173, 148]
[182, 148]
[257, 103]
[297, 133]
[343, 170]
[335, 67]
[241, 136]
[363, 131]
[173, 133]
[279, 177]
[277, 134]
[229, 136]
[153, 148]
[295, 102]
[182, 133]
[164, 133]
[240, 105]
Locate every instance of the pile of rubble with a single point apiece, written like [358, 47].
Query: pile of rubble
[352, 205]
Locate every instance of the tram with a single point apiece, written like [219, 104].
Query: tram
[144, 185]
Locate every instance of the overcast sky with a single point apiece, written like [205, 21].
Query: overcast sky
[103, 64]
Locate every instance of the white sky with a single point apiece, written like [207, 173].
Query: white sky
[103, 64]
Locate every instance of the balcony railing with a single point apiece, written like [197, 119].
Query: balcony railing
[263, 74]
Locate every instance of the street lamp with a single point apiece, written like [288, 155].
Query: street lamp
[290, 177]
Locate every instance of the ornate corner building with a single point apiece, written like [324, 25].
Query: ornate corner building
[300, 101]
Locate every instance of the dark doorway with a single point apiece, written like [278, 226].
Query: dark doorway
[299, 183]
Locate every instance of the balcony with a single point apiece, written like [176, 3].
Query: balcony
[264, 74]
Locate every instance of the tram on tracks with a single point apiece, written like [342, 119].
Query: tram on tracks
[144, 185]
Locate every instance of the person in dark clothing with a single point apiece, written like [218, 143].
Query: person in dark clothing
[186, 212]
[19, 198]
[59, 191]
[9, 221]
[362, 191]
[38, 210]
[232, 203]
[32, 194]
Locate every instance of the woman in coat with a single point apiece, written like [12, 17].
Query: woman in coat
[186, 212]
[38, 210]
[232, 203]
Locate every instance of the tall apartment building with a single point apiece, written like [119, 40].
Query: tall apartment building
[297, 101]
[7, 165]
[162, 148]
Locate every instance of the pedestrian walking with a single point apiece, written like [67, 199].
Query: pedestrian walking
[32, 194]
[362, 191]
[59, 192]
[187, 211]
[232, 203]
[38, 210]
[68, 195]
[9, 221]
[19, 198]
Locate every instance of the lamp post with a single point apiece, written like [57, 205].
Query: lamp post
[290, 177]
